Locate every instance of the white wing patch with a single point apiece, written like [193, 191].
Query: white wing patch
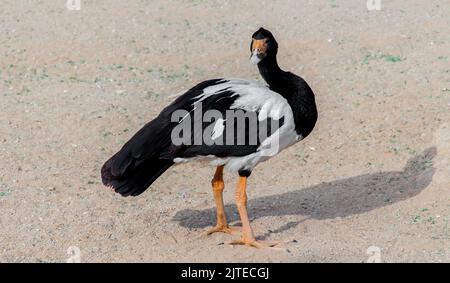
[218, 129]
[253, 96]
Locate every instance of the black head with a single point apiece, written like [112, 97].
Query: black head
[263, 45]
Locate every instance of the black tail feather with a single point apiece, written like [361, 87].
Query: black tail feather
[136, 179]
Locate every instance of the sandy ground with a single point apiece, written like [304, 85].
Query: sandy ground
[371, 181]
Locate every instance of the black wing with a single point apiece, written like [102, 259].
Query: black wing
[151, 151]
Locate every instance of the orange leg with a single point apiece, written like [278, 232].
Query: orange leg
[218, 186]
[248, 237]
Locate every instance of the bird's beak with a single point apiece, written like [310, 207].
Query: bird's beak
[255, 58]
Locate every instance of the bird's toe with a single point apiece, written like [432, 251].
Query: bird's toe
[224, 229]
[255, 243]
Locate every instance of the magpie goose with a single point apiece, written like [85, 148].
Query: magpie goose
[284, 113]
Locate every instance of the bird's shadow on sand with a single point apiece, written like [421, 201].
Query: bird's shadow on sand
[338, 198]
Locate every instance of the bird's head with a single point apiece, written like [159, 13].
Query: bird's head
[263, 45]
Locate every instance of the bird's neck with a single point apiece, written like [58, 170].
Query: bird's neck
[274, 76]
[271, 72]
[295, 90]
